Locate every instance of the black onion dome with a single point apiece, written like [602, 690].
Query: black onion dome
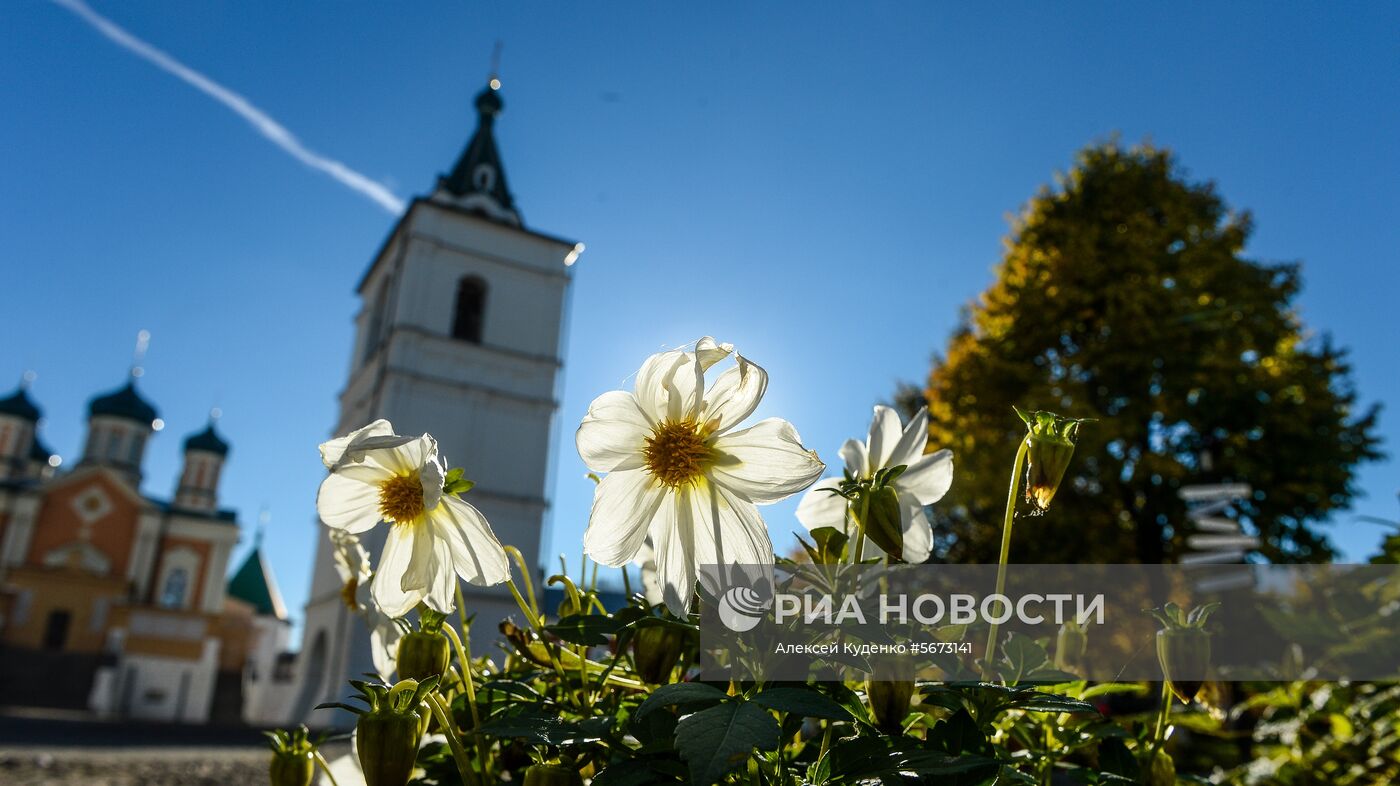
[208, 441]
[19, 405]
[124, 403]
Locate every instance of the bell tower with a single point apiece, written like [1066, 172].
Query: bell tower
[459, 334]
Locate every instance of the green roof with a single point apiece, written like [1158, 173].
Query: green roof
[254, 585]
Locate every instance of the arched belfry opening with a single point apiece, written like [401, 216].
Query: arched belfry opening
[470, 312]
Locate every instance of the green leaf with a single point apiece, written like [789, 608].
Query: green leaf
[717, 741]
[542, 729]
[635, 772]
[802, 701]
[958, 734]
[1116, 759]
[588, 629]
[1037, 701]
[687, 694]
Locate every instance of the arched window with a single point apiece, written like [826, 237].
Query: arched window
[177, 584]
[471, 310]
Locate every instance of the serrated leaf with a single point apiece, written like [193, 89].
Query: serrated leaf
[717, 741]
[688, 694]
[802, 701]
[588, 629]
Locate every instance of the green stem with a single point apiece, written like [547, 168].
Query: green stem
[459, 754]
[467, 681]
[326, 768]
[1006, 525]
[1159, 733]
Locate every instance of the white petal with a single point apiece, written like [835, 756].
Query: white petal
[431, 478]
[474, 552]
[735, 395]
[387, 590]
[442, 587]
[333, 451]
[409, 457]
[918, 533]
[656, 388]
[613, 433]
[349, 498]
[384, 646]
[765, 462]
[727, 528]
[911, 443]
[709, 352]
[927, 479]
[857, 461]
[674, 537]
[623, 505]
[885, 432]
[821, 508]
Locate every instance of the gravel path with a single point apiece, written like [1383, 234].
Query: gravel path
[133, 766]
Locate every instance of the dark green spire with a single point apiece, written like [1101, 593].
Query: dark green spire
[253, 584]
[478, 181]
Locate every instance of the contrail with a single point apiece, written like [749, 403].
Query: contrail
[274, 131]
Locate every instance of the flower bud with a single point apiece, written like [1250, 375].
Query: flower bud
[423, 654]
[1183, 647]
[388, 744]
[387, 734]
[293, 758]
[882, 522]
[655, 650]
[1070, 645]
[889, 702]
[1051, 446]
[1162, 770]
[889, 690]
[1184, 654]
[292, 769]
[551, 775]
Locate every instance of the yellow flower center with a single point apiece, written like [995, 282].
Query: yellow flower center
[401, 498]
[348, 592]
[676, 452]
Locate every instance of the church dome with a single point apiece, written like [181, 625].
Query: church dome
[38, 451]
[208, 441]
[19, 405]
[124, 403]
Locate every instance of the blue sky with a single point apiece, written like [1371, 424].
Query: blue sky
[804, 180]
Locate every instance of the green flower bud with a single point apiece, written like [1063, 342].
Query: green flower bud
[882, 522]
[1183, 647]
[551, 775]
[388, 732]
[889, 690]
[293, 757]
[423, 655]
[1162, 770]
[1070, 645]
[1182, 652]
[1051, 446]
[655, 650]
[889, 702]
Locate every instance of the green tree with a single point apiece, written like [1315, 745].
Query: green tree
[1124, 296]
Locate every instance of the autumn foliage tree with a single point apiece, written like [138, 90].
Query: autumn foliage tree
[1124, 296]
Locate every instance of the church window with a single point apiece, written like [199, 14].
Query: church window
[177, 583]
[56, 629]
[133, 454]
[376, 322]
[471, 310]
